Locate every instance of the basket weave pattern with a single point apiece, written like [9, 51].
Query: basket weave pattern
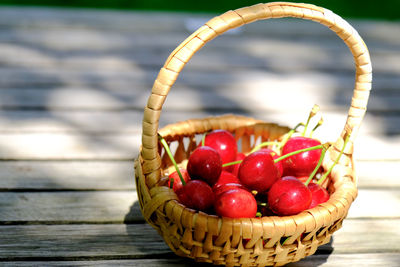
[254, 241]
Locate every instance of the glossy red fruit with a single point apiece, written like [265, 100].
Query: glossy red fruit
[205, 164]
[196, 194]
[235, 169]
[275, 155]
[226, 187]
[302, 179]
[236, 203]
[177, 180]
[258, 171]
[225, 178]
[319, 194]
[224, 143]
[289, 196]
[303, 163]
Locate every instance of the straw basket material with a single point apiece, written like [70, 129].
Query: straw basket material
[250, 241]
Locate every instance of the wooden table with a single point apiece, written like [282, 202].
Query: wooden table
[73, 87]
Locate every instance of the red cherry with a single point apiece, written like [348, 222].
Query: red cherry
[258, 171]
[236, 203]
[222, 188]
[302, 179]
[196, 194]
[177, 180]
[224, 143]
[275, 155]
[225, 178]
[303, 163]
[289, 196]
[205, 163]
[235, 169]
[319, 194]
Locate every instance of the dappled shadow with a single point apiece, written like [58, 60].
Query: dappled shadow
[72, 91]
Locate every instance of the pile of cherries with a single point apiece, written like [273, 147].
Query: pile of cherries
[275, 178]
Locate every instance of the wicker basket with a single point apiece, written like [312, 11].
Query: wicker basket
[255, 241]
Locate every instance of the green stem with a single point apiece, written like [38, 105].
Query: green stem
[289, 134]
[321, 158]
[313, 111]
[232, 163]
[264, 144]
[320, 122]
[203, 139]
[322, 179]
[166, 147]
[171, 183]
[298, 152]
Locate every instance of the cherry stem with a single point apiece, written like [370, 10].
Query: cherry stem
[289, 134]
[320, 122]
[281, 157]
[321, 158]
[166, 147]
[298, 152]
[171, 183]
[232, 163]
[203, 139]
[322, 179]
[264, 144]
[258, 214]
[313, 111]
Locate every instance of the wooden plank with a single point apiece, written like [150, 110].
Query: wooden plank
[70, 207]
[77, 121]
[53, 18]
[74, 241]
[258, 97]
[57, 41]
[377, 174]
[118, 175]
[125, 146]
[333, 260]
[131, 21]
[66, 175]
[120, 206]
[135, 77]
[118, 52]
[129, 121]
[141, 241]
[44, 146]
[329, 260]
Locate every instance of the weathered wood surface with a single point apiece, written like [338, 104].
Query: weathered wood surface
[123, 206]
[117, 175]
[73, 84]
[332, 260]
[140, 240]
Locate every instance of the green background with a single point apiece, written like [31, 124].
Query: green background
[373, 9]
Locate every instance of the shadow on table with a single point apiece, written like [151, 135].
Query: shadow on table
[320, 257]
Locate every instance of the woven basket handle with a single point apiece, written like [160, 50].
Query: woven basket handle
[233, 19]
